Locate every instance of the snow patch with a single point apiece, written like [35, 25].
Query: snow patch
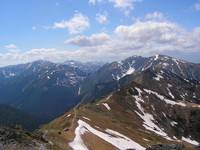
[68, 115]
[118, 140]
[173, 123]
[87, 118]
[79, 91]
[107, 106]
[165, 64]
[161, 97]
[145, 139]
[158, 77]
[188, 140]
[129, 71]
[170, 93]
[108, 97]
[156, 57]
[148, 119]
[11, 74]
[77, 143]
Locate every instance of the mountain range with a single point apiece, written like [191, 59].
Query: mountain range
[130, 104]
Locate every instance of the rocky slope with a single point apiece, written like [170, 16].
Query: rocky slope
[18, 139]
[134, 117]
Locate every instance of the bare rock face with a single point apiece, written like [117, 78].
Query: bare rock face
[166, 147]
[19, 139]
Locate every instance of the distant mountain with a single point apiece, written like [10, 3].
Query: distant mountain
[111, 76]
[88, 67]
[46, 90]
[12, 117]
[42, 88]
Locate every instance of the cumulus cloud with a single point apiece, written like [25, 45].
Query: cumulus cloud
[148, 31]
[197, 5]
[102, 18]
[144, 37]
[160, 36]
[93, 40]
[77, 24]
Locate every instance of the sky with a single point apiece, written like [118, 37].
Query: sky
[98, 30]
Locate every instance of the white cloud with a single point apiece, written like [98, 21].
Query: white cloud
[148, 31]
[93, 40]
[197, 5]
[10, 46]
[77, 24]
[93, 2]
[102, 18]
[125, 5]
[155, 16]
[145, 37]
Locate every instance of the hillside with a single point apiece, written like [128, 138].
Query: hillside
[133, 117]
[12, 117]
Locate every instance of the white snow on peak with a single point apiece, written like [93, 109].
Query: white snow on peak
[188, 140]
[146, 67]
[178, 65]
[107, 106]
[130, 71]
[158, 77]
[156, 57]
[11, 74]
[148, 119]
[165, 64]
[124, 71]
[139, 91]
[173, 123]
[169, 85]
[168, 101]
[170, 93]
[118, 140]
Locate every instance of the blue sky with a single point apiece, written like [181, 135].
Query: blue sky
[67, 29]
